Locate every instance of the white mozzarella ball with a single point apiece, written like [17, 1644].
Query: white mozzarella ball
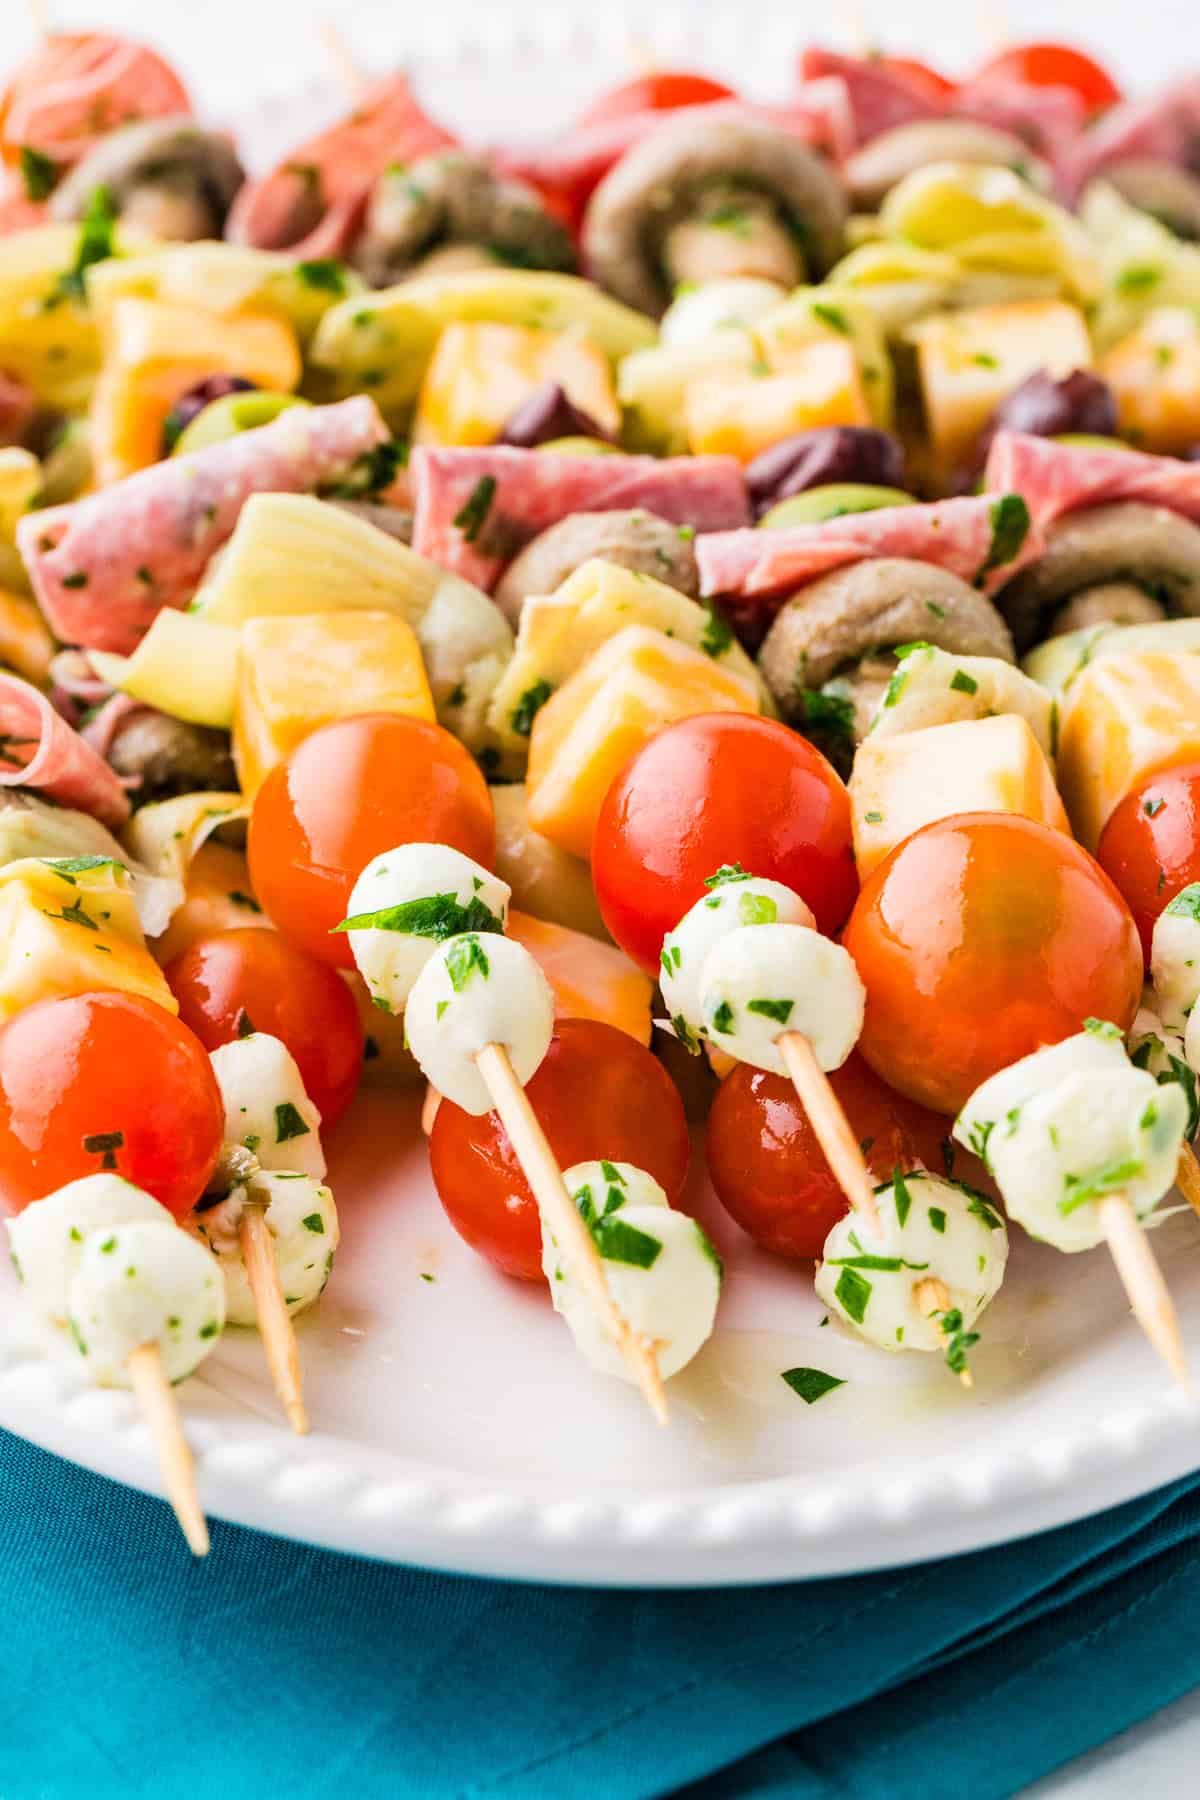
[416, 897]
[1093, 1133]
[266, 1108]
[303, 1222]
[1175, 958]
[733, 903]
[47, 1239]
[763, 980]
[731, 303]
[931, 1229]
[661, 1270]
[477, 990]
[147, 1283]
[1092, 1051]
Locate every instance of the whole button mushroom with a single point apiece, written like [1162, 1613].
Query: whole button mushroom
[159, 756]
[168, 176]
[705, 201]
[876, 168]
[450, 211]
[636, 540]
[828, 453]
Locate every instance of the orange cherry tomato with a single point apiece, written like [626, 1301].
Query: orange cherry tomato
[598, 1093]
[350, 791]
[659, 92]
[770, 1172]
[928, 81]
[106, 1081]
[1151, 844]
[1053, 65]
[246, 980]
[980, 939]
[719, 788]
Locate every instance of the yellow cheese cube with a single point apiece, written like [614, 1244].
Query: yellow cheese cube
[585, 734]
[1124, 718]
[217, 897]
[590, 980]
[973, 765]
[72, 929]
[482, 372]
[968, 361]
[1155, 377]
[299, 673]
[730, 414]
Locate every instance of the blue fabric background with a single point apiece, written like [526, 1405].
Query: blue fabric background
[129, 1672]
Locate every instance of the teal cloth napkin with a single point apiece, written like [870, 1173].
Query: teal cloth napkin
[130, 1672]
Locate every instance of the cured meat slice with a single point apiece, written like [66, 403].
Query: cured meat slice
[1059, 478]
[38, 749]
[474, 509]
[879, 98]
[104, 566]
[1163, 128]
[75, 88]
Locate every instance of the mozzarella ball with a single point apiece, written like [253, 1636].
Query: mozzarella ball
[303, 1222]
[763, 980]
[417, 896]
[146, 1283]
[1088, 1052]
[474, 991]
[1092, 1133]
[931, 1229]
[662, 1272]
[1175, 958]
[266, 1108]
[732, 904]
[47, 1239]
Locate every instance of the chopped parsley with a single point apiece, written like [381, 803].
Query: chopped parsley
[685, 1034]
[812, 1384]
[465, 956]
[726, 873]
[1109, 1179]
[963, 683]
[39, 173]
[1138, 278]
[437, 916]
[958, 1341]
[373, 471]
[718, 632]
[853, 1294]
[314, 1222]
[931, 606]
[977, 1138]
[831, 713]
[901, 1197]
[288, 1123]
[779, 1010]
[105, 1145]
[983, 359]
[325, 273]
[472, 516]
[1152, 808]
[1102, 1028]
[896, 687]
[246, 900]
[77, 579]
[528, 706]
[7, 743]
[1010, 527]
[1186, 904]
[96, 244]
[67, 866]
[245, 1024]
[74, 914]
[756, 909]
[833, 316]
[722, 1019]
[874, 818]
[670, 959]
[937, 1220]
[985, 1211]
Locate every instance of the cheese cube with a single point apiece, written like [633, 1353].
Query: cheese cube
[297, 674]
[590, 980]
[968, 361]
[482, 372]
[72, 929]
[741, 415]
[586, 733]
[1124, 718]
[1155, 377]
[900, 783]
[217, 897]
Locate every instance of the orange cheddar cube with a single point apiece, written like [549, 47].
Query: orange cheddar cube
[1125, 717]
[590, 980]
[1155, 377]
[730, 413]
[480, 373]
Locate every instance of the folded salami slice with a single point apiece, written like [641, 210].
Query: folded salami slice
[1163, 128]
[1060, 478]
[879, 98]
[474, 509]
[981, 538]
[104, 566]
[1049, 119]
[38, 749]
[76, 87]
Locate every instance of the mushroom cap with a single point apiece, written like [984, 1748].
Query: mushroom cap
[846, 616]
[635, 540]
[171, 757]
[1170, 193]
[454, 198]
[1147, 546]
[872, 171]
[176, 153]
[1111, 603]
[659, 181]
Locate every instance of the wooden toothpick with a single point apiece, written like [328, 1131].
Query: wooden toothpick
[157, 1401]
[274, 1321]
[843, 1152]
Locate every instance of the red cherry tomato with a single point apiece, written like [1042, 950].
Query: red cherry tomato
[247, 980]
[598, 1093]
[980, 939]
[1151, 844]
[660, 92]
[1053, 65]
[105, 1081]
[770, 1172]
[928, 81]
[720, 788]
[350, 791]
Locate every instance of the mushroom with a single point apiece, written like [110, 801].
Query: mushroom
[1110, 603]
[702, 201]
[1145, 547]
[635, 540]
[846, 624]
[875, 169]
[160, 756]
[1166, 191]
[168, 176]
[449, 211]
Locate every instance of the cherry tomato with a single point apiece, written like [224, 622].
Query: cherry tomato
[1151, 844]
[928, 81]
[350, 791]
[660, 92]
[248, 980]
[598, 1093]
[1053, 65]
[770, 1172]
[719, 788]
[105, 1081]
[980, 939]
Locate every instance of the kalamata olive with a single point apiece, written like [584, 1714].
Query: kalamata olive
[549, 413]
[193, 401]
[1043, 407]
[856, 453]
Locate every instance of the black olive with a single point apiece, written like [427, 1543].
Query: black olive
[193, 401]
[548, 414]
[1042, 407]
[856, 453]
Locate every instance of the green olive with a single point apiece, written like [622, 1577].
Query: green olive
[831, 502]
[231, 415]
[1089, 440]
[580, 446]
